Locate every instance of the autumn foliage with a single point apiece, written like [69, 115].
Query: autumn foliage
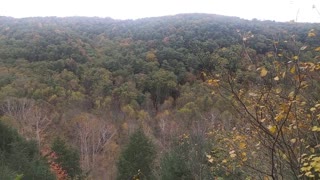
[192, 96]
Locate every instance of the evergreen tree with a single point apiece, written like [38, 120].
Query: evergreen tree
[67, 158]
[136, 160]
[174, 166]
[20, 159]
[186, 160]
[175, 163]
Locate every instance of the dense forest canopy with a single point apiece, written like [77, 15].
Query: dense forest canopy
[209, 96]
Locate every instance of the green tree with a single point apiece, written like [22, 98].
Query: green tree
[174, 164]
[137, 158]
[20, 158]
[187, 159]
[67, 158]
[161, 84]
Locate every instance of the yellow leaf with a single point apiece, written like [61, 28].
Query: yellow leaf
[233, 155]
[263, 72]
[283, 74]
[291, 94]
[224, 161]
[241, 92]
[278, 90]
[52, 98]
[311, 34]
[253, 94]
[306, 168]
[295, 58]
[312, 109]
[316, 159]
[315, 129]
[311, 157]
[303, 155]
[317, 49]
[304, 84]
[293, 69]
[269, 54]
[242, 145]
[293, 141]
[284, 156]
[272, 129]
[309, 174]
[279, 117]
[213, 82]
[276, 78]
[312, 150]
[266, 178]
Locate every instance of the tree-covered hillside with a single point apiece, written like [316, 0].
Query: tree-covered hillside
[210, 96]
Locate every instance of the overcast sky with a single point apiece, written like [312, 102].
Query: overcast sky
[279, 10]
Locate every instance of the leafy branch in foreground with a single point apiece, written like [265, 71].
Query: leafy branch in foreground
[279, 114]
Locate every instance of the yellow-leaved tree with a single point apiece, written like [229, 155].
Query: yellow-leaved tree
[277, 104]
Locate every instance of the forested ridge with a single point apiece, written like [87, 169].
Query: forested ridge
[190, 96]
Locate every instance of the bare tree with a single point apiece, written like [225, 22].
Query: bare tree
[31, 119]
[93, 136]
